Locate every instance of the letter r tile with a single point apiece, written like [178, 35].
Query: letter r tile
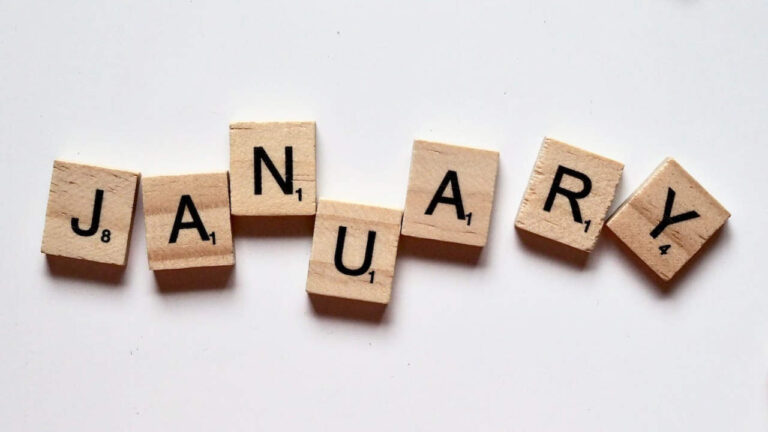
[90, 213]
[450, 193]
[568, 195]
[354, 248]
[668, 219]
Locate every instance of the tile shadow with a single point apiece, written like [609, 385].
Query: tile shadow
[439, 250]
[552, 249]
[71, 268]
[194, 279]
[273, 226]
[667, 288]
[338, 308]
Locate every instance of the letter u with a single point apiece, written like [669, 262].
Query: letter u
[339, 260]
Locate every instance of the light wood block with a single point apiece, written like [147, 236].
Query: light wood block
[353, 251]
[668, 219]
[450, 193]
[568, 195]
[90, 213]
[272, 168]
[188, 221]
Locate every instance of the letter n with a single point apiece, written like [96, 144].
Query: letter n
[285, 183]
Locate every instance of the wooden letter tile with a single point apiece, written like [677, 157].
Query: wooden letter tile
[188, 221]
[90, 213]
[272, 168]
[353, 251]
[450, 193]
[569, 194]
[668, 219]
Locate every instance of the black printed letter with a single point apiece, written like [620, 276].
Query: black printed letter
[668, 219]
[571, 195]
[338, 259]
[94, 219]
[186, 204]
[259, 156]
[452, 178]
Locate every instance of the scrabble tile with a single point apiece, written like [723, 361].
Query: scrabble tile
[450, 193]
[272, 168]
[90, 213]
[353, 251]
[188, 221]
[668, 219]
[568, 195]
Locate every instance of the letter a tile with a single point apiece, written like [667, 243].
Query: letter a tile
[353, 252]
[272, 166]
[569, 194]
[90, 213]
[188, 221]
[668, 219]
[450, 193]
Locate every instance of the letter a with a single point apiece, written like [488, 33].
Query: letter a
[453, 179]
[186, 203]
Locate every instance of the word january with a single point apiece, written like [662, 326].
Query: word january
[449, 199]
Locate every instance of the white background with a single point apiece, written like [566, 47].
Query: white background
[521, 341]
